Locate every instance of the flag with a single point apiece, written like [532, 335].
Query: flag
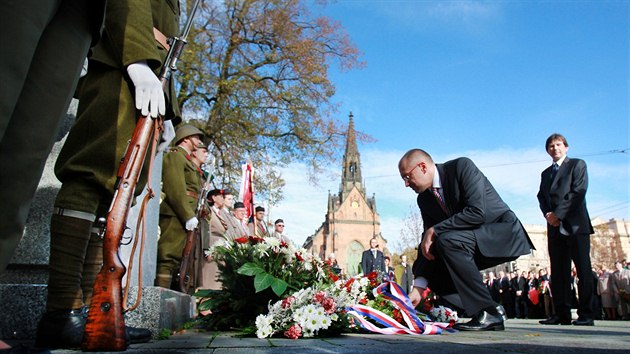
[246, 194]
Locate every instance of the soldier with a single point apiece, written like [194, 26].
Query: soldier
[181, 183]
[120, 81]
[38, 81]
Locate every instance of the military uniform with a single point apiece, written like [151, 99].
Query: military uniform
[181, 184]
[38, 81]
[89, 160]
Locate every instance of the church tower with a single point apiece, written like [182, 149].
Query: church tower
[351, 217]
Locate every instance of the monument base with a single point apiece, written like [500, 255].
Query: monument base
[22, 305]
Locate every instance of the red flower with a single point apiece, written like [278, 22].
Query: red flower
[242, 239]
[255, 239]
[294, 332]
[397, 315]
[372, 276]
[363, 301]
[284, 244]
[299, 256]
[348, 284]
[286, 303]
[319, 297]
[329, 305]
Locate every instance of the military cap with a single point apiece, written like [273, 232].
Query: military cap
[185, 131]
[214, 192]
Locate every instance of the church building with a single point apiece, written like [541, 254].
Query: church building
[351, 219]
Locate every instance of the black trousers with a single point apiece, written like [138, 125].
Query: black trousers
[562, 250]
[454, 274]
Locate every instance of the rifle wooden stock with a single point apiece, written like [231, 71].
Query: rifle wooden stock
[105, 327]
[185, 275]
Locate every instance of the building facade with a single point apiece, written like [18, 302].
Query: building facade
[351, 218]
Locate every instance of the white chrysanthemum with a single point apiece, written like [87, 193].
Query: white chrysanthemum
[272, 242]
[263, 326]
[308, 266]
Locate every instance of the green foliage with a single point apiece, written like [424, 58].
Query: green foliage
[255, 272]
[165, 333]
[254, 76]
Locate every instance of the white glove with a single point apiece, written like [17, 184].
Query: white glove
[167, 136]
[84, 69]
[192, 223]
[149, 93]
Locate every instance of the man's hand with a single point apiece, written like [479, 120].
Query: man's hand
[427, 242]
[416, 295]
[552, 219]
[149, 93]
[192, 223]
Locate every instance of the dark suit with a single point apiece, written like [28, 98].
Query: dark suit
[405, 277]
[493, 289]
[370, 264]
[480, 232]
[565, 197]
[520, 284]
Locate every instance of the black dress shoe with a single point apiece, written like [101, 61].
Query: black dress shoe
[137, 335]
[61, 329]
[584, 322]
[501, 312]
[483, 321]
[555, 320]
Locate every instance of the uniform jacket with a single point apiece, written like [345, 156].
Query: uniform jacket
[565, 196]
[125, 41]
[181, 184]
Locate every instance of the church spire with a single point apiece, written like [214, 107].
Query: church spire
[351, 173]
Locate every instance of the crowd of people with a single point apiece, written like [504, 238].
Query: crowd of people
[185, 208]
[527, 294]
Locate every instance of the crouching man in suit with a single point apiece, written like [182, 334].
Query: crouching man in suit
[467, 227]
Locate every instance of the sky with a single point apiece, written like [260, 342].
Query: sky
[490, 80]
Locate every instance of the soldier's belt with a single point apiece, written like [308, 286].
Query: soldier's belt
[74, 214]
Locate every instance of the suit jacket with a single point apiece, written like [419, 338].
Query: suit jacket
[565, 196]
[404, 276]
[493, 288]
[474, 205]
[370, 264]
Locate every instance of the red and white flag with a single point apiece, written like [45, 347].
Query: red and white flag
[246, 193]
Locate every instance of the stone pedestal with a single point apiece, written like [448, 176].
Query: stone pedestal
[23, 285]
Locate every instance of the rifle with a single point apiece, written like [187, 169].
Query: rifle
[105, 326]
[184, 278]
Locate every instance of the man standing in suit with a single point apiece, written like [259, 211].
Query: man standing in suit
[562, 199]
[467, 227]
[404, 274]
[373, 260]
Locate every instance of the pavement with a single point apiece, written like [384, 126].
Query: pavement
[520, 336]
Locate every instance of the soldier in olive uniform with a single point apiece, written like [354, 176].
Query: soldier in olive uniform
[38, 81]
[121, 79]
[181, 183]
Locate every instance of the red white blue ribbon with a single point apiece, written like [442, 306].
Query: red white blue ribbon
[413, 325]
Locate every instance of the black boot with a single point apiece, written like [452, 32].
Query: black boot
[136, 335]
[61, 329]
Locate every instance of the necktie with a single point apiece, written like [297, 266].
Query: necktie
[554, 171]
[374, 253]
[438, 197]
